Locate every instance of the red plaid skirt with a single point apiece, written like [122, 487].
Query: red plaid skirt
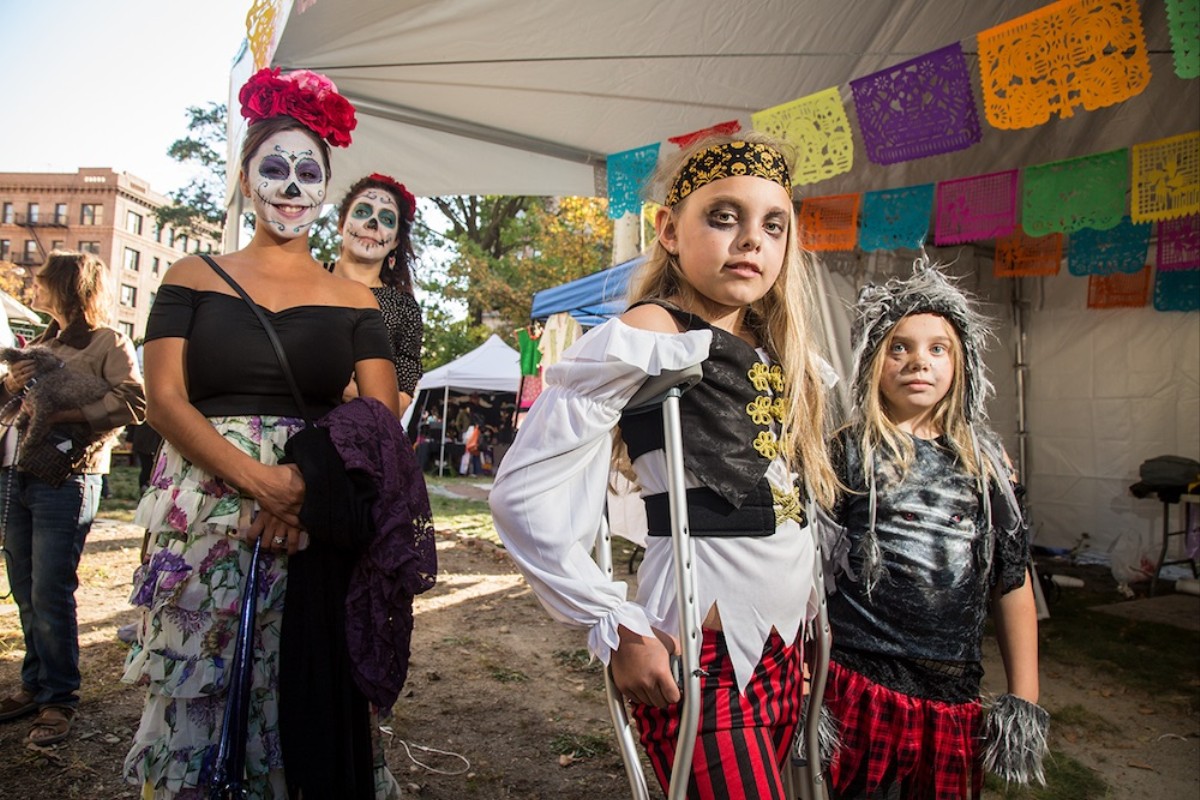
[930, 749]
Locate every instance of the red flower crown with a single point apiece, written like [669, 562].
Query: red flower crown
[307, 96]
[398, 187]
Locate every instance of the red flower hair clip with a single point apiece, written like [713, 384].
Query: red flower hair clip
[309, 97]
[405, 194]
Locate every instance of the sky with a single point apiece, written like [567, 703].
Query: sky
[108, 84]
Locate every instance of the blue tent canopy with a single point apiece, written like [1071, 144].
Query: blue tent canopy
[590, 300]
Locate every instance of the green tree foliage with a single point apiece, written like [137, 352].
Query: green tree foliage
[507, 248]
[14, 280]
[200, 205]
[323, 239]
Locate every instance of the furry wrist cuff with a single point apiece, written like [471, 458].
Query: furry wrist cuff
[1015, 740]
[829, 734]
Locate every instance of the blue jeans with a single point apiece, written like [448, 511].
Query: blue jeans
[44, 533]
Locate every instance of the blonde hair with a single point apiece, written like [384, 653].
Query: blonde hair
[782, 320]
[880, 433]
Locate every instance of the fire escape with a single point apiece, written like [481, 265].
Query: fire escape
[32, 223]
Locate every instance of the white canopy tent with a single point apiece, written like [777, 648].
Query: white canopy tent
[16, 311]
[491, 367]
[504, 97]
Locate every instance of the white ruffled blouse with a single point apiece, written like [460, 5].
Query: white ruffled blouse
[550, 493]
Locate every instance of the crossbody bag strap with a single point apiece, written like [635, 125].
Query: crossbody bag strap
[270, 330]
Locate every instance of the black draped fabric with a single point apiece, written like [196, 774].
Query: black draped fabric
[718, 429]
[324, 725]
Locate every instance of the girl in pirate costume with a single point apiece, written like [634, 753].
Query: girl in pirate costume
[934, 532]
[725, 286]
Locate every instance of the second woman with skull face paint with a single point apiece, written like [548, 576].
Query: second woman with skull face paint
[218, 396]
[375, 220]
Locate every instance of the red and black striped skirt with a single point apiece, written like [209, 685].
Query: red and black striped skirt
[743, 737]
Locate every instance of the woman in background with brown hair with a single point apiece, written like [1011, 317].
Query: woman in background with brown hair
[375, 220]
[46, 524]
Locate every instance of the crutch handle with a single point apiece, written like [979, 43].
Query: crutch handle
[656, 388]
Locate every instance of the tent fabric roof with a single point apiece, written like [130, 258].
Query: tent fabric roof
[591, 299]
[491, 367]
[14, 309]
[504, 97]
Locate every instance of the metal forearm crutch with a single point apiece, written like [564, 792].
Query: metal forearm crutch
[665, 389]
[805, 776]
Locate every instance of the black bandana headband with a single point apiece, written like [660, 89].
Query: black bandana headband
[728, 161]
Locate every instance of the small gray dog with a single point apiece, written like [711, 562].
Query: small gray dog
[55, 387]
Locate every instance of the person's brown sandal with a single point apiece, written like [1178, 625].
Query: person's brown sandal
[53, 724]
[17, 705]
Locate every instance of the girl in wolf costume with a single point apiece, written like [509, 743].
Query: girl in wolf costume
[933, 532]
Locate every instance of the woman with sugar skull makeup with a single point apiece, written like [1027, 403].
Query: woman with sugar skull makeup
[218, 486]
[375, 220]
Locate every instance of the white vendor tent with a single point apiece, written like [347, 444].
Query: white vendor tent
[522, 97]
[491, 367]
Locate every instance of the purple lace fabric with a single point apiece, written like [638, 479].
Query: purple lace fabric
[401, 561]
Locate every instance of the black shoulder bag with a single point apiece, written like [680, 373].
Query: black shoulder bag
[337, 502]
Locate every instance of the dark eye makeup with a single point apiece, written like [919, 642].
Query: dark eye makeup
[274, 168]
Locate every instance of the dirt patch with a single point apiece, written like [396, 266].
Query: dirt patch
[494, 680]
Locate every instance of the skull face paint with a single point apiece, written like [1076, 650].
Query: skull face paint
[372, 225]
[287, 183]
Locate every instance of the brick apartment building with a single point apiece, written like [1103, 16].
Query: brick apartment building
[101, 211]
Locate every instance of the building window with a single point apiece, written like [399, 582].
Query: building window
[132, 259]
[57, 244]
[89, 247]
[182, 241]
[60, 213]
[154, 265]
[34, 211]
[91, 214]
[158, 233]
[8, 214]
[128, 295]
[153, 297]
[31, 251]
[126, 328]
[5, 247]
[133, 222]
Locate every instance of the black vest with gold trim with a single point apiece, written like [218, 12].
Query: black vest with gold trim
[727, 439]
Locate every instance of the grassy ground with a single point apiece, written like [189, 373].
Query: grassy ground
[123, 494]
[1149, 657]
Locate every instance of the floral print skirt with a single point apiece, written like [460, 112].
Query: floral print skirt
[190, 592]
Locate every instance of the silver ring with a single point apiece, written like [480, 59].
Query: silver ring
[279, 540]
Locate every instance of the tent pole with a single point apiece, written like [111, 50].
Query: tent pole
[517, 405]
[1022, 371]
[445, 427]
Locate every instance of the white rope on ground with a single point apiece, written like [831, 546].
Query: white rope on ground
[409, 746]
